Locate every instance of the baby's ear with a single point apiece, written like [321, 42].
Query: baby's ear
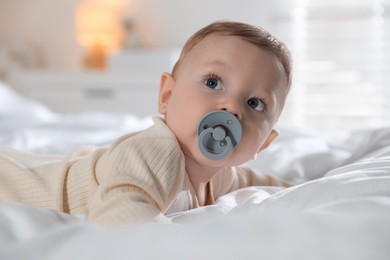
[167, 82]
[274, 133]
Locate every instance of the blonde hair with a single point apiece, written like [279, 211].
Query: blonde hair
[252, 34]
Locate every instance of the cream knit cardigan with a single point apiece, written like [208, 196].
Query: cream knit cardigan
[139, 178]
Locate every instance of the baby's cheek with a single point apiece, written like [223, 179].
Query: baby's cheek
[254, 139]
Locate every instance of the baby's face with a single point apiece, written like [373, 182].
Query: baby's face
[224, 73]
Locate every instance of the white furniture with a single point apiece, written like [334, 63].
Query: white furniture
[141, 60]
[129, 84]
[69, 92]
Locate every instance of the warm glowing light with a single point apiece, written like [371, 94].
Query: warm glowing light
[98, 28]
[98, 24]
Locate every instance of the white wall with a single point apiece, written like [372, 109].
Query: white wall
[47, 24]
[170, 23]
[164, 24]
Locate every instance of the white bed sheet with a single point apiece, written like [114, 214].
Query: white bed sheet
[343, 216]
[338, 209]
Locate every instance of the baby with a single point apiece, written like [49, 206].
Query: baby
[233, 68]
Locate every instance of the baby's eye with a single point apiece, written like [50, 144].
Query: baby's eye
[256, 104]
[213, 83]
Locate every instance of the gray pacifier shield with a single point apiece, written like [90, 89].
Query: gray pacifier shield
[218, 133]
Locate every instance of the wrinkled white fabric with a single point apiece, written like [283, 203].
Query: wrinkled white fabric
[339, 209]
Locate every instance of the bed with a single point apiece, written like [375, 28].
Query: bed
[337, 208]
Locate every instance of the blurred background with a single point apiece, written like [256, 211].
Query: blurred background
[78, 55]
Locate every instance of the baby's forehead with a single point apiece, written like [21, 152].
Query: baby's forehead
[225, 49]
[210, 40]
[219, 46]
[219, 50]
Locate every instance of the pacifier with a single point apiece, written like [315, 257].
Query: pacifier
[218, 133]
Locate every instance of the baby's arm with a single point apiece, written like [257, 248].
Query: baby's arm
[122, 203]
[138, 180]
[234, 178]
[245, 176]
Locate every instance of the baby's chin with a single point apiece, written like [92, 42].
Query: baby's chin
[230, 160]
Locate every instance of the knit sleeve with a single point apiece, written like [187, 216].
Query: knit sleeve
[142, 176]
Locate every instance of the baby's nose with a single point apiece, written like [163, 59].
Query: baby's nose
[235, 114]
[232, 106]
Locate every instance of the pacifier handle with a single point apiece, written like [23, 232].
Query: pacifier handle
[218, 133]
[226, 142]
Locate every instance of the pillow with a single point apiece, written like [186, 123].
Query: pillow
[14, 105]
